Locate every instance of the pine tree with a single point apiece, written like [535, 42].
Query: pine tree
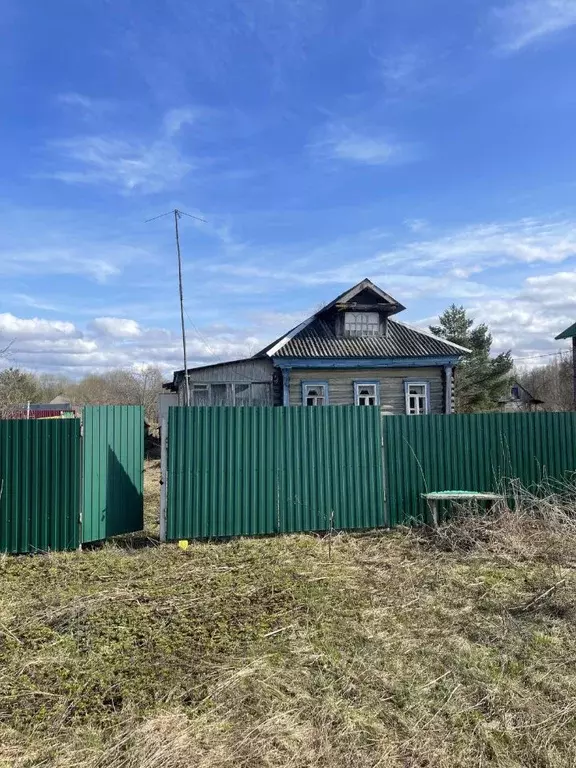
[480, 380]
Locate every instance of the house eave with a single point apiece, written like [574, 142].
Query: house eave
[365, 362]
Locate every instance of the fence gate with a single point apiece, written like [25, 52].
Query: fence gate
[113, 465]
[246, 471]
[39, 485]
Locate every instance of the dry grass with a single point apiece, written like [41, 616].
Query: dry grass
[410, 649]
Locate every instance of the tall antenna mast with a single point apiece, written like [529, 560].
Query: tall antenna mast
[177, 214]
[181, 292]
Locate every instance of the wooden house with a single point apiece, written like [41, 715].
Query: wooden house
[351, 352]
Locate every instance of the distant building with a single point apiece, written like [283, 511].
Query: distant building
[519, 399]
[570, 333]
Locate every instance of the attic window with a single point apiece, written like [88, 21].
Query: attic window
[361, 324]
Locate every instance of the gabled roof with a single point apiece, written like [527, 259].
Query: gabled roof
[529, 398]
[569, 333]
[315, 338]
[349, 296]
[344, 299]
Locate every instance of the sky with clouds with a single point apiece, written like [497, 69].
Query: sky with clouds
[426, 145]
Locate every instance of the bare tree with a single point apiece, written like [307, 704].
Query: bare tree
[551, 383]
[17, 388]
[122, 387]
[52, 384]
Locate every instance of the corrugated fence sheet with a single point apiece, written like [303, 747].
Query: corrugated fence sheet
[246, 471]
[39, 485]
[112, 500]
[473, 452]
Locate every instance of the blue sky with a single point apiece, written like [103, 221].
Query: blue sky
[426, 145]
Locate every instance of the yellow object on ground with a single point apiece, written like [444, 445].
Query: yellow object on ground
[183, 544]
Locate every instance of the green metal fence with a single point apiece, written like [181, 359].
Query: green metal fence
[39, 485]
[245, 471]
[472, 452]
[113, 455]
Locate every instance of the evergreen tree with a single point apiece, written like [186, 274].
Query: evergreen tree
[480, 380]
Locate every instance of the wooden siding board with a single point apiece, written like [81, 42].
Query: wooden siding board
[250, 371]
[391, 380]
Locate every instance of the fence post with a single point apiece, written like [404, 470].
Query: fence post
[163, 473]
[81, 483]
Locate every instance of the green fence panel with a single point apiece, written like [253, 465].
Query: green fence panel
[113, 456]
[39, 485]
[474, 452]
[247, 471]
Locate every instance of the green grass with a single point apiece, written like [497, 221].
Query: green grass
[401, 650]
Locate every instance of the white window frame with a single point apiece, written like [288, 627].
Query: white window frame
[417, 410]
[358, 385]
[361, 323]
[308, 385]
[200, 388]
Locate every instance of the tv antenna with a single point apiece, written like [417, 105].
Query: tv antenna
[177, 216]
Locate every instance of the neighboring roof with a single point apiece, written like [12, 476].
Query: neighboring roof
[51, 406]
[527, 399]
[170, 385]
[60, 400]
[215, 365]
[569, 333]
[317, 339]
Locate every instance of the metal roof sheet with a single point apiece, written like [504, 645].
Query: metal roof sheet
[319, 340]
[569, 333]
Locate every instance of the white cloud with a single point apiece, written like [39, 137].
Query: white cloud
[130, 165]
[401, 68]
[526, 241]
[107, 342]
[529, 319]
[71, 243]
[408, 72]
[58, 261]
[21, 328]
[116, 327]
[341, 142]
[522, 23]
[450, 257]
[175, 119]
[88, 106]
[416, 225]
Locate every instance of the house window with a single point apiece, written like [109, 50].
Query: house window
[200, 394]
[314, 393]
[361, 324]
[242, 395]
[366, 393]
[228, 393]
[219, 394]
[417, 397]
